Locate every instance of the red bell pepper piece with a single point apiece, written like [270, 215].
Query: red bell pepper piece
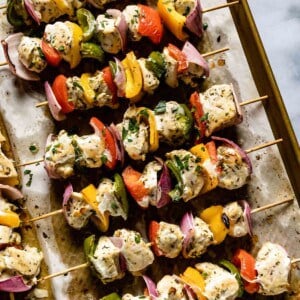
[52, 56]
[108, 78]
[153, 232]
[150, 24]
[60, 91]
[180, 57]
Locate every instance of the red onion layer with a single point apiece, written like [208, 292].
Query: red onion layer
[187, 228]
[14, 284]
[194, 20]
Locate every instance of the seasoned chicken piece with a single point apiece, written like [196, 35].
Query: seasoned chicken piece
[108, 33]
[60, 155]
[238, 225]
[150, 180]
[219, 283]
[31, 55]
[234, 171]
[107, 199]
[171, 69]
[106, 260]
[273, 267]
[103, 96]
[78, 211]
[132, 15]
[201, 240]
[169, 287]
[184, 7]
[76, 93]
[169, 239]
[8, 236]
[172, 124]
[47, 10]
[60, 37]
[136, 252]
[89, 150]
[23, 262]
[150, 81]
[131, 297]
[219, 108]
[190, 171]
[135, 134]
[8, 173]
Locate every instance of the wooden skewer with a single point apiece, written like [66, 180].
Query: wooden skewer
[256, 210]
[3, 64]
[263, 146]
[50, 214]
[44, 103]
[3, 6]
[262, 98]
[85, 265]
[220, 6]
[247, 151]
[295, 261]
[215, 52]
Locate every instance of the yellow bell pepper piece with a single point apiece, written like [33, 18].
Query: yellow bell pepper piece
[153, 138]
[88, 92]
[9, 218]
[193, 278]
[77, 35]
[210, 180]
[134, 77]
[64, 7]
[213, 217]
[172, 19]
[89, 194]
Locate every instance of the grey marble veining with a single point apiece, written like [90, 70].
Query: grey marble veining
[279, 25]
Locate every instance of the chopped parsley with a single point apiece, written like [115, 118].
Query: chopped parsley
[104, 158]
[77, 84]
[204, 117]
[160, 108]
[28, 172]
[137, 238]
[144, 112]
[133, 125]
[33, 148]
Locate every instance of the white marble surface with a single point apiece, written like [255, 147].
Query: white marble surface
[279, 25]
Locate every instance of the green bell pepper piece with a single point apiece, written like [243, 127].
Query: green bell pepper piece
[176, 193]
[16, 13]
[92, 50]
[87, 23]
[120, 192]
[156, 63]
[189, 121]
[233, 270]
[89, 246]
[112, 296]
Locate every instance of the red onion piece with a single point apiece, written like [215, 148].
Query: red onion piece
[116, 143]
[54, 106]
[120, 78]
[194, 20]
[122, 262]
[187, 228]
[11, 192]
[10, 46]
[31, 11]
[14, 284]
[164, 185]
[66, 198]
[247, 215]
[122, 25]
[151, 287]
[120, 145]
[190, 292]
[193, 56]
[241, 152]
[50, 169]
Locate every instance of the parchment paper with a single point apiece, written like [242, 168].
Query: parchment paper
[62, 246]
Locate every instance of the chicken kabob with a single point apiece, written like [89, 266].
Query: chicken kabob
[227, 280]
[195, 172]
[188, 14]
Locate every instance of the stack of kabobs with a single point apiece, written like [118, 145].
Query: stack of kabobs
[155, 156]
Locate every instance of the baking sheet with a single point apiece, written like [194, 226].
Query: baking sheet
[62, 246]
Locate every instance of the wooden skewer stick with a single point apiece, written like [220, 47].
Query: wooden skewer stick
[30, 162]
[82, 266]
[295, 261]
[262, 98]
[263, 146]
[3, 64]
[215, 52]
[3, 6]
[44, 103]
[50, 214]
[220, 6]
[256, 210]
